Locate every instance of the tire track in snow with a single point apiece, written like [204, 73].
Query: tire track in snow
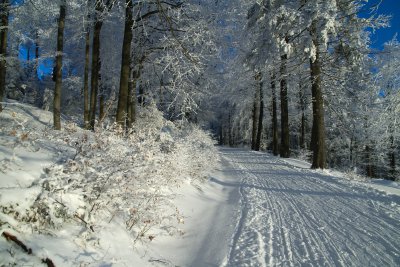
[299, 217]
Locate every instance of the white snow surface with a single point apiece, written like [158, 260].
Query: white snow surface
[290, 215]
[261, 210]
[255, 210]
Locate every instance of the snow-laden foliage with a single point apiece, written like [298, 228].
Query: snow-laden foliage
[110, 174]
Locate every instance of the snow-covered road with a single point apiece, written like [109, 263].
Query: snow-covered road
[289, 215]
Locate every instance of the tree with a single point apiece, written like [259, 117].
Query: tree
[94, 82]
[318, 128]
[58, 67]
[256, 117]
[86, 110]
[100, 8]
[261, 110]
[4, 12]
[284, 145]
[388, 82]
[275, 134]
[122, 109]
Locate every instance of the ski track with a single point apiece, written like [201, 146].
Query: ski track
[292, 216]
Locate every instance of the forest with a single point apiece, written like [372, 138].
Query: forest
[141, 92]
[290, 77]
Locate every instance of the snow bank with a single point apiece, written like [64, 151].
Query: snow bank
[94, 198]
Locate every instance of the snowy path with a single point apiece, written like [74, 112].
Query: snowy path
[289, 215]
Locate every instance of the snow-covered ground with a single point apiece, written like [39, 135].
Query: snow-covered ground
[260, 210]
[292, 216]
[255, 210]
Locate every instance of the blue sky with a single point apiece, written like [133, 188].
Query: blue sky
[387, 7]
[45, 64]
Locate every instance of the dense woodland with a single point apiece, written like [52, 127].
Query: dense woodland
[297, 78]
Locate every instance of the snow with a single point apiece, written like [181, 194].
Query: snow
[389, 187]
[254, 210]
[292, 216]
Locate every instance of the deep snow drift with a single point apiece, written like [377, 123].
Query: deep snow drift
[254, 210]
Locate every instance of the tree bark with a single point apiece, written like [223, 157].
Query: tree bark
[318, 128]
[132, 95]
[4, 11]
[255, 119]
[13, 238]
[260, 113]
[94, 82]
[392, 159]
[302, 139]
[285, 145]
[125, 65]
[275, 135]
[134, 76]
[28, 56]
[58, 72]
[86, 110]
[370, 169]
[131, 102]
[141, 97]
[36, 54]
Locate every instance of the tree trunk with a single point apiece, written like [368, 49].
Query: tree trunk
[4, 10]
[392, 159]
[255, 120]
[285, 145]
[28, 56]
[370, 169]
[221, 135]
[36, 54]
[125, 65]
[58, 73]
[86, 111]
[94, 82]
[351, 149]
[318, 128]
[230, 135]
[141, 98]
[275, 136]
[131, 103]
[134, 76]
[302, 139]
[260, 113]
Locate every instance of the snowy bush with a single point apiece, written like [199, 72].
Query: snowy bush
[125, 176]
